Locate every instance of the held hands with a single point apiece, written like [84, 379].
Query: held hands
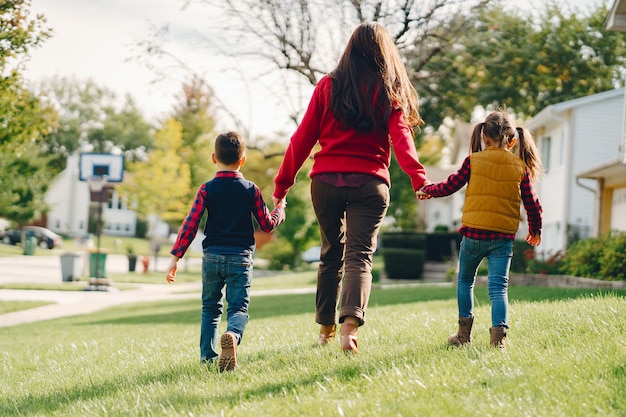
[421, 195]
[171, 270]
[282, 202]
[533, 240]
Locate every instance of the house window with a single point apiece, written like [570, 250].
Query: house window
[546, 145]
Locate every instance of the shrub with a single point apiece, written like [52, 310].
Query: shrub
[402, 240]
[439, 245]
[519, 261]
[278, 252]
[613, 258]
[403, 263]
[583, 258]
[543, 262]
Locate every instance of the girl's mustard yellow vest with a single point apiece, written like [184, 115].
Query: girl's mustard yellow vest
[493, 196]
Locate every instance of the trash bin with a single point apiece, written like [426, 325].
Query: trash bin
[30, 243]
[97, 265]
[70, 267]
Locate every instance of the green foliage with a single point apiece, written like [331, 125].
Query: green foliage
[442, 246]
[403, 254]
[24, 120]
[402, 240]
[402, 200]
[600, 258]
[519, 262]
[300, 229]
[403, 263]
[279, 253]
[92, 118]
[583, 258]
[194, 112]
[613, 260]
[160, 186]
[19, 32]
[23, 182]
[543, 262]
[505, 60]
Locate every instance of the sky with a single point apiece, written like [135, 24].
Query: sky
[97, 40]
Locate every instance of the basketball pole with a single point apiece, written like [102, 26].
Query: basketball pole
[96, 184]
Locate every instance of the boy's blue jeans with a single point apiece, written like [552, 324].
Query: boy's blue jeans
[235, 273]
[498, 253]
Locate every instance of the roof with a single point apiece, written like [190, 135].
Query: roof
[611, 172]
[556, 111]
[616, 20]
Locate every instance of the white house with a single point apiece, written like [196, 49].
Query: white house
[610, 176]
[71, 205]
[574, 136]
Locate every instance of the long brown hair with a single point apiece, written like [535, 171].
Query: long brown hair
[370, 81]
[500, 127]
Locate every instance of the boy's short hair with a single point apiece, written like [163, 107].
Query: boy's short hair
[230, 147]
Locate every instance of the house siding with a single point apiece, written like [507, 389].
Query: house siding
[582, 133]
[597, 138]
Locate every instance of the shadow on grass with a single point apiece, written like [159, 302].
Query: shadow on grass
[189, 311]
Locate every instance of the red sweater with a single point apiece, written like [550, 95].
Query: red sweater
[347, 151]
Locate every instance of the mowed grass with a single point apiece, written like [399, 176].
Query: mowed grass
[566, 356]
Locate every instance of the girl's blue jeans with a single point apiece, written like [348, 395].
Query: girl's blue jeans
[218, 271]
[498, 253]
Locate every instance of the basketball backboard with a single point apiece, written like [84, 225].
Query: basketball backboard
[100, 164]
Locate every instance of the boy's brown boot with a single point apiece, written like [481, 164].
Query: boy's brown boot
[464, 334]
[349, 329]
[498, 334]
[228, 358]
[327, 334]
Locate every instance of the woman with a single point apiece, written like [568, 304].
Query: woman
[357, 112]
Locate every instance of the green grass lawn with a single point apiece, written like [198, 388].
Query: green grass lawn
[565, 357]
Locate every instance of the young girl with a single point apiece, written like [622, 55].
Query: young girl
[497, 181]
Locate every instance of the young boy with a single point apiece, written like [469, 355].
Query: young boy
[228, 246]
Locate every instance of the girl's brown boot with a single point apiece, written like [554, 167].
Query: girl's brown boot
[327, 334]
[498, 335]
[349, 329]
[464, 335]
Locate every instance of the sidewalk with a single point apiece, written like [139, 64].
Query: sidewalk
[47, 269]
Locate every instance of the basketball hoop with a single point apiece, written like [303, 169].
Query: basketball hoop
[96, 182]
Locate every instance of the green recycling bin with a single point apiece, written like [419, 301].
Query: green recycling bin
[30, 243]
[97, 265]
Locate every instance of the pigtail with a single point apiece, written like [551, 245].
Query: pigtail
[476, 142]
[529, 154]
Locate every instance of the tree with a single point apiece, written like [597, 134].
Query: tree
[302, 39]
[24, 180]
[24, 120]
[523, 65]
[160, 185]
[194, 112]
[93, 119]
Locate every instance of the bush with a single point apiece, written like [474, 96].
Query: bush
[278, 252]
[519, 261]
[439, 245]
[403, 263]
[402, 240]
[583, 258]
[613, 259]
[403, 254]
[543, 262]
[601, 258]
